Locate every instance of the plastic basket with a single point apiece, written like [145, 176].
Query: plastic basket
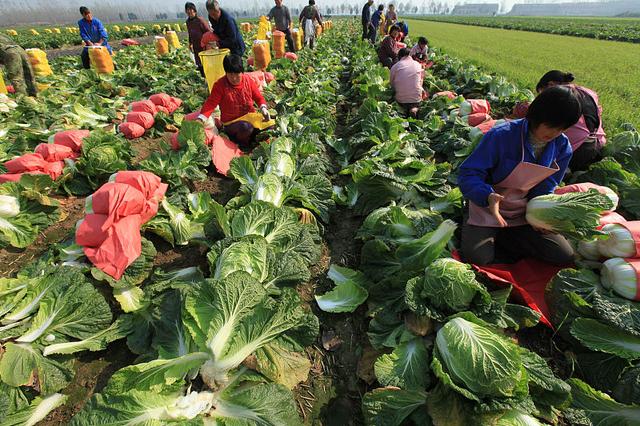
[212, 64]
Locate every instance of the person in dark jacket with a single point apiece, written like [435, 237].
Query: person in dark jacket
[197, 26]
[308, 16]
[388, 49]
[375, 23]
[282, 17]
[366, 19]
[18, 66]
[225, 28]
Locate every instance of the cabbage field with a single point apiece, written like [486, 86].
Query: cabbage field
[317, 283]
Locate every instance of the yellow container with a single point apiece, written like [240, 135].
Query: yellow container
[101, 60]
[39, 62]
[173, 40]
[278, 44]
[298, 38]
[318, 30]
[162, 45]
[256, 120]
[212, 64]
[263, 28]
[261, 54]
[3, 87]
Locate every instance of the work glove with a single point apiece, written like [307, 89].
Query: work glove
[265, 113]
[208, 122]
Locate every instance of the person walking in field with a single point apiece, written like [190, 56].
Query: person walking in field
[236, 94]
[282, 18]
[93, 33]
[513, 163]
[17, 66]
[308, 16]
[375, 24]
[388, 49]
[226, 28]
[366, 19]
[406, 79]
[197, 26]
[587, 137]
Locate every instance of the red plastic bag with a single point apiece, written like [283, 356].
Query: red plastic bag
[116, 200]
[129, 42]
[479, 106]
[192, 116]
[54, 169]
[10, 89]
[144, 119]
[144, 106]
[149, 185]
[269, 77]
[611, 217]
[486, 126]
[291, 56]
[175, 144]
[71, 138]
[120, 249]
[26, 163]
[176, 101]
[91, 231]
[52, 152]
[131, 130]
[258, 77]
[161, 99]
[520, 109]
[163, 109]
[222, 152]
[477, 119]
[12, 177]
[207, 38]
[210, 136]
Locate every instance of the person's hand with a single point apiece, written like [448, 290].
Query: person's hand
[265, 113]
[494, 207]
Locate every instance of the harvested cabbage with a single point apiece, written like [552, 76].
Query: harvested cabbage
[621, 276]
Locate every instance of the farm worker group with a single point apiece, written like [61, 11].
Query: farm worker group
[93, 33]
[372, 21]
[17, 66]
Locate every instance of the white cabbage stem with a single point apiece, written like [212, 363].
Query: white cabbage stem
[618, 274]
[589, 249]
[618, 242]
[9, 206]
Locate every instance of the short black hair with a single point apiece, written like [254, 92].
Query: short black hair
[381, 7]
[394, 28]
[190, 6]
[403, 52]
[212, 5]
[558, 107]
[554, 76]
[312, 2]
[83, 10]
[422, 40]
[233, 64]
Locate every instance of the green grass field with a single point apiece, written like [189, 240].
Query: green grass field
[610, 68]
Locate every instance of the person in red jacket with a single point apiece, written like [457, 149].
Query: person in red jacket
[235, 93]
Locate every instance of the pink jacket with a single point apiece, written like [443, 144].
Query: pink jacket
[406, 79]
[579, 131]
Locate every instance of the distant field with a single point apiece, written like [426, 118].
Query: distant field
[610, 68]
[619, 29]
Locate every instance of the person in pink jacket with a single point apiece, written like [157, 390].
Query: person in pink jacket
[587, 136]
[406, 79]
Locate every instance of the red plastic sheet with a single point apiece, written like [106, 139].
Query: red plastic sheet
[476, 119]
[149, 185]
[26, 163]
[52, 152]
[91, 231]
[143, 119]
[161, 99]
[222, 152]
[129, 42]
[116, 200]
[144, 106]
[529, 278]
[486, 126]
[71, 138]
[291, 56]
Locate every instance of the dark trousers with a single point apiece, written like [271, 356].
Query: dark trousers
[291, 47]
[482, 245]
[365, 31]
[86, 62]
[373, 32]
[587, 154]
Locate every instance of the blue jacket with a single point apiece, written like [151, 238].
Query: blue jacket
[227, 29]
[499, 153]
[375, 19]
[94, 31]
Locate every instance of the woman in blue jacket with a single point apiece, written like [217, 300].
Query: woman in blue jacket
[513, 163]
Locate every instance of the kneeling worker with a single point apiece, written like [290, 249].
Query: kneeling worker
[513, 163]
[235, 93]
[406, 79]
[18, 67]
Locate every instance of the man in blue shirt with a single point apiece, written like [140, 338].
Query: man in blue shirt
[375, 23]
[93, 33]
[225, 28]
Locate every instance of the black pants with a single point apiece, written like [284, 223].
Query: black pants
[86, 62]
[373, 32]
[365, 31]
[291, 47]
[587, 154]
[483, 245]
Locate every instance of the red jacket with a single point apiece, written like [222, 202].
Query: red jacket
[234, 101]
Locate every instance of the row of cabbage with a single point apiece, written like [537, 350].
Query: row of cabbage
[227, 348]
[447, 354]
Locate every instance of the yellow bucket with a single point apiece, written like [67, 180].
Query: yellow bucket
[212, 64]
[3, 87]
[256, 120]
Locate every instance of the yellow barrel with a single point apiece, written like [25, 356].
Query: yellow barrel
[101, 60]
[162, 45]
[298, 38]
[212, 64]
[3, 87]
[39, 62]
